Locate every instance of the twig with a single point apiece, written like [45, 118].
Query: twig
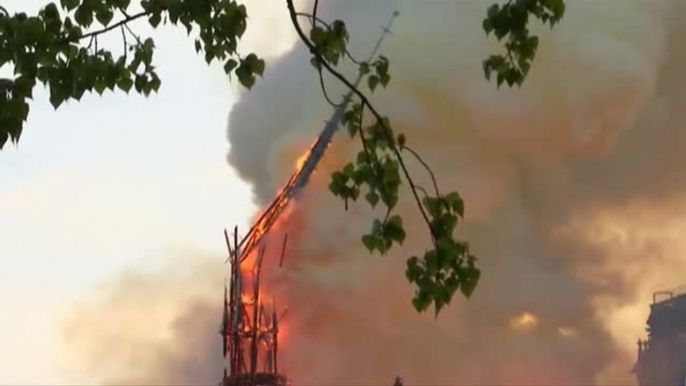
[421, 189]
[364, 99]
[123, 11]
[326, 95]
[426, 166]
[372, 162]
[126, 49]
[135, 36]
[115, 25]
[90, 43]
[314, 11]
[328, 26]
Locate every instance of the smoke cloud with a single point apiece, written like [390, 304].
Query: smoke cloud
[550, 172]
[158, 328]
[574, 192]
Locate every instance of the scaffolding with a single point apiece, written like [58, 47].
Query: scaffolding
[250, 328]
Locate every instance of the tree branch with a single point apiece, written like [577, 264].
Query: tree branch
[328, 26]
[314, 11]
[365, 101]
[115, 25]
[426, 166]
[421, 189]
[326, 95]
[126, 45]
[372, 162]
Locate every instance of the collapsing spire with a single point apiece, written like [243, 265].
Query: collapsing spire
[301, 176]
[249, 332]
[256, 336]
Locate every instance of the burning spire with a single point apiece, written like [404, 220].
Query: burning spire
[247, 330]
[249, 333]
[305, 166]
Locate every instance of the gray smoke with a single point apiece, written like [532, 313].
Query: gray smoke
[574, 188]
[546, 170]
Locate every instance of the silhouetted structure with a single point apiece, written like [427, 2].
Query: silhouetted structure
[304, 171]
[250, 332]
[662, 357]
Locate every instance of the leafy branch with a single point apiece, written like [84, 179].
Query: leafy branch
[446, 267]
[121, 23]
[510, 22]
[47, 48]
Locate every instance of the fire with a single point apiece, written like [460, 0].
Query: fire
[300, 162]
[279, 210]
[257, 309]
[567, 332]
[524, 322]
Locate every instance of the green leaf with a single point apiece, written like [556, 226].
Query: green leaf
[413, 271]
[125, 84]
[469, 282]
[245, 76]
[370, 241]
[421, 301]
[69, 4]
[433, 205]
[384, 79]
[349, 169]
[105, 16]
[230, 65]
[258, 67]
[155, 19]
[155, 83]
[364, 68]
[84, 15]
[372, 82]
[56, 101]
[3, 138]
[100, 86]
[487, 25]
[394, 230]
[372, 198]
[455, 202]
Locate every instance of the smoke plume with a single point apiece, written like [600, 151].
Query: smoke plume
[574, 189]
[587, 148]
[144, 328]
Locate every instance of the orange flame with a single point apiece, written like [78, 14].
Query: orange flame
[272, 218]
[277, 212]
[300, 162]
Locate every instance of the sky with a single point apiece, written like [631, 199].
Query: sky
[107, 184]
